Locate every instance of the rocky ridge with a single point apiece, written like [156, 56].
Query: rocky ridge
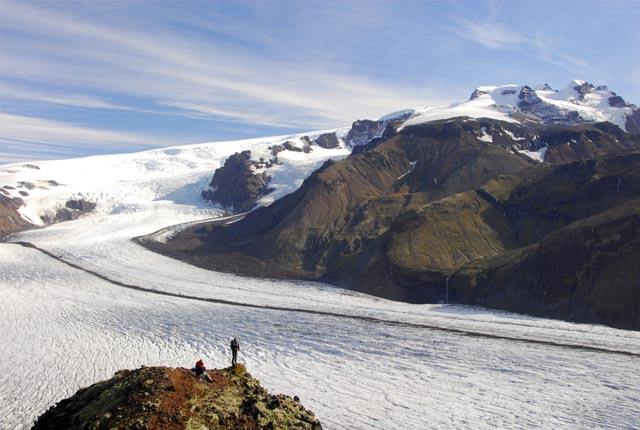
[578, 103]
[165, 398]
[240, 182]
[12, 198]
[10, 219]
[403, 214]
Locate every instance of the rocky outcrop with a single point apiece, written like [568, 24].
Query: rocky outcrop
[292, 146]
[10, 219]
[633, 122]
[239, 183]
[327, 141]
[477, 93]
[364, 130]
[533, 106]
[584, 88]
[583, 142]
[617, 101]
[154, 398]
[73, 209]
[528, 98]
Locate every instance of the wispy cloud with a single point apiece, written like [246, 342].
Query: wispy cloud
[494, 35]
[192, 73]
[75, 100]
[488, 33]
[547, 50]
[23, 138]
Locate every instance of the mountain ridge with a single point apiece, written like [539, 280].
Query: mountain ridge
[352, 223]
[338, 221]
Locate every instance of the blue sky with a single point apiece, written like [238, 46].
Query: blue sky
[94, 77]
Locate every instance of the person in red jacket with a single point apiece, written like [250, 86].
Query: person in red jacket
[201, 371]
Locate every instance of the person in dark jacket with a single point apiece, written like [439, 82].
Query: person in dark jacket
[235, 347]
[201, 371]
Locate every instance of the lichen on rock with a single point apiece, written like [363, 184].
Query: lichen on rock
[167, 398]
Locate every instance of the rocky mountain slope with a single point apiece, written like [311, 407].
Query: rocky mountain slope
[171, 399]
[10, 219]
[579, 102]
[406, 211]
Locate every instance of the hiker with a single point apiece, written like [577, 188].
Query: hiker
[235, 347]
[201, 371]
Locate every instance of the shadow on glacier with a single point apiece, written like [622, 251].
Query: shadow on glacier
[191, 194]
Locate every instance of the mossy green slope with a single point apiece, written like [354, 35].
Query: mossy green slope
[404, 214]
[153, 398]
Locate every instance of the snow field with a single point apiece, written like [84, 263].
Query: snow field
[66, 329]
[127, 183]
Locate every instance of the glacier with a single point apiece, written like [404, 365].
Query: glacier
[85, 301]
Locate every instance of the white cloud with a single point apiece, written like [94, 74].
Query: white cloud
[493, 35]
[488, 33]
[24, 138]
[548, 51]
[191, 72]
[75, 100]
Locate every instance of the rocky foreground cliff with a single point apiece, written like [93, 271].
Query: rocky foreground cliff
[154, 398]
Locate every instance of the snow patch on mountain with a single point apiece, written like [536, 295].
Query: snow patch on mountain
[483, 106]
[512, 136]
[485, 137]
[535, 155]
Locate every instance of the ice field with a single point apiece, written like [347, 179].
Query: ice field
[358, 362]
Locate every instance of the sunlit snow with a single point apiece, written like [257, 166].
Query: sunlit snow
[485, 137]
[535, 155]
[500, 102]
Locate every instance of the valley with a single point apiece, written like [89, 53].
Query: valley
[417, 206]
[370, 371]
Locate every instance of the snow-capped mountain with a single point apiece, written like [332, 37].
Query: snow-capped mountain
[53, 190]
[578, 102]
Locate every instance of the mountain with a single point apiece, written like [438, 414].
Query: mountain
[407, 210]
[578, 102]
[392, 207]
[167, 398]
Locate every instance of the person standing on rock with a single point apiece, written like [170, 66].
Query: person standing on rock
[235, 347]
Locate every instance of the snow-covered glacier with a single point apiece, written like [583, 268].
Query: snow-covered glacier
[85, 300]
